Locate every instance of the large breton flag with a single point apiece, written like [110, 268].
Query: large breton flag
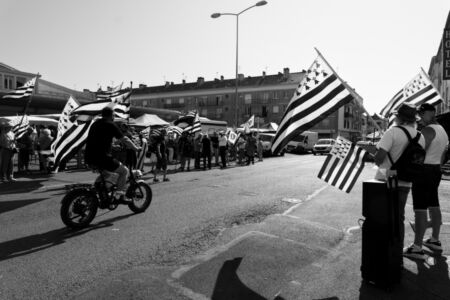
[71, 135]
[23, 91]
[20, 125]
[418, 91]
[114, 92]
[343, 165]
[120, 104]
[320, 93]
[190, 122]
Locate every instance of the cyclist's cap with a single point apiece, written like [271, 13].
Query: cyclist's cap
[426, 107]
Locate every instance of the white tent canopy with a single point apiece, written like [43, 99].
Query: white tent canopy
[35, 120]
[149, 120]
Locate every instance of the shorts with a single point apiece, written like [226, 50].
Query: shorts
[161, 164]
[425, 192]
[107, 163]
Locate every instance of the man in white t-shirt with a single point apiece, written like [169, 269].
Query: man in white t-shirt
[394, 142]
[425, 192]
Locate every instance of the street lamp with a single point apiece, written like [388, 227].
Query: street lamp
[216, 15]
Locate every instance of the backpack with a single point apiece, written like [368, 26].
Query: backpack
[410, 164]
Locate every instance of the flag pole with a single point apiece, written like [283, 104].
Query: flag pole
[358, 99]
[131, 91]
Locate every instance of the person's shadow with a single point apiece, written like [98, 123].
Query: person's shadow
[228, 285]
[38, 242]
[433, 275]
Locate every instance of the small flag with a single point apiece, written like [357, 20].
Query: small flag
[320, 93]
[343, 165]
[233, 137]
[250, 123]
[20, 125]
[190, 122]
[175, 130]
[23, 91]
[418, 91]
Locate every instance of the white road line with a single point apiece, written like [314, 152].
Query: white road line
[309, 197]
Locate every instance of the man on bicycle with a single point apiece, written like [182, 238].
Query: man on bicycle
[98, 149]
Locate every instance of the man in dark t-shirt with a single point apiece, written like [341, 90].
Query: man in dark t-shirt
[98, 148]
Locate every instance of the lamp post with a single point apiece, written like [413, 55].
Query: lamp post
[216, 15]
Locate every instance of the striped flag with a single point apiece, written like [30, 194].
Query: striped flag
[418, 91]
[343, 165]
[70, 142]
[20, 125]
[175, 130]
[233, 137]
[190, 122]
[23, 91]
[114, 92]
[320, 93]
[64, 122]
[250, 123]
[141, 155]
[120, 105]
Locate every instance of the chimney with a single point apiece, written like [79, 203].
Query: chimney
[200, 80]
[184, 81]
[286, 72]
[221, 77]
[142, 86]
[171, 83]
[166, 84]
[241, 77]
[264, 74]
[86, 91]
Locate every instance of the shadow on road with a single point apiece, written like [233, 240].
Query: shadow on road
[15, 204]
[229, 286]
[39, 242]
[21, 186]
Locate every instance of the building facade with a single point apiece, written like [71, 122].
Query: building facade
[265, 96]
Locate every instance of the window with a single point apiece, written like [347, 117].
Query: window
[219, 100]
[204, 112]
[20, 81]
[276, 109]
[8, 82]
[275, 95]
[144, 103]
[248, 110]
[219, 110]
[181, 101]
[265, 97]
[264, 111]
[248, 99]
[168, 101]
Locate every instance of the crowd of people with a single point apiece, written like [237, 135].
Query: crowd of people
[205, 150]
[35, 142]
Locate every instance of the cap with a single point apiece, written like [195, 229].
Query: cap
[426, 107]
[406, 112]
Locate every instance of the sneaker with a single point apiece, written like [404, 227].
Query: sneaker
[414, 252]
[166, 179]
[12, 179]
[435, 246]
[156, 180]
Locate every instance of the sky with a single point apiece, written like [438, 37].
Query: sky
[376, 46]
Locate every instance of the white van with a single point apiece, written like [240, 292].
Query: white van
[303, 143]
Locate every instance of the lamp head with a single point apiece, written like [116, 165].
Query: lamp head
[261, 3]
[215, 15]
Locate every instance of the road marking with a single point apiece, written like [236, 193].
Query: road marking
[308, 198]
[291, 200]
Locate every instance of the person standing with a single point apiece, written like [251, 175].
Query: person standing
[8, 148]
[223, 149]
[25, 145]
[206, 151]
[161, 157]
[425, 192]
[250, 149]
[260, 149]
[197, 150]
[392, 144]
[44, 142]
[241, 145]
[215, 147]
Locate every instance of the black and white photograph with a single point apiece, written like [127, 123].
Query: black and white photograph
[224, 150]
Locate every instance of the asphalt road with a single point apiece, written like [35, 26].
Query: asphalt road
[41, 259]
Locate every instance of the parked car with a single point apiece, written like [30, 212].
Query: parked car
[323, 146]
[302, 143]
[267, 139]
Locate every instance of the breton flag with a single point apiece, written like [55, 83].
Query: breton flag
[23, 91]
[20, 125]
[114, 92]
[418, 91]
[250, 123]
[320, 93]
[141, 155]
[343, 165]
[120, 104]
[174, 130]
[71, 135]
[190, 122]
